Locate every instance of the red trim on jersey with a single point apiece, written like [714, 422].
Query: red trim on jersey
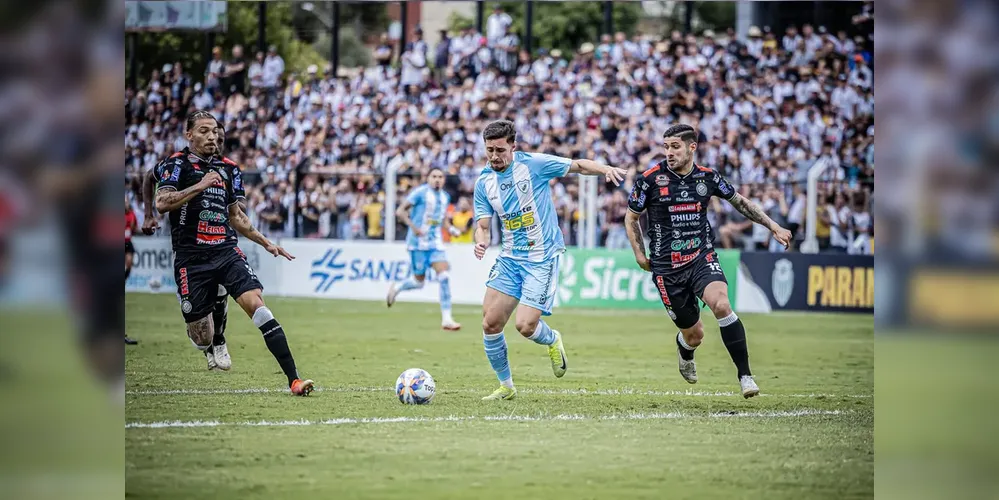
[703, 169]
[651, 171]
[225, 159]
[178, 153]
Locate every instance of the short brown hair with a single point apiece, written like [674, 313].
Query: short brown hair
[500, 129]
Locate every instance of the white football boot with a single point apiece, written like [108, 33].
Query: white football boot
[688, 368]
[392, 293]
[212, 365]
[749, 387]
[222, 360]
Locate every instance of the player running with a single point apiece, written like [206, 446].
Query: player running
[218, 355]
[683, 262]
[515, 189]
[425, 212]
[200, 192]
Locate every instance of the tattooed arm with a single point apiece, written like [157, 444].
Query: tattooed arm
[634, 230]
[241, 223]
[755, 213]
[169, 199]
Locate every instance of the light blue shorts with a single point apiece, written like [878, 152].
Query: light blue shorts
[533, 283]
[420, 260]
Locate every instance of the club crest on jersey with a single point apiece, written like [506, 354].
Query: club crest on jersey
[523, 186]
[702, 190]
[662, 180]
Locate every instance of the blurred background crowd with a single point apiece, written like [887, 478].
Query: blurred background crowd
[767, 109]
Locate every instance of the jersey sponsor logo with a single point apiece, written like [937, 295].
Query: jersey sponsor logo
[701, 189]
[643, 185]
[519, 221]
[665, 297]
[208, 239]
[184, 290]
[237, 180]
[223, 173]
[662, 180]
[172, 175]
[217, 190]
[210, 216]
[505, 186]
[183, 214]
[692, 217]
[204, 228]
[193, 159]
[664, 191]
[677, 235]
[686, 207]
[678, 245]
[678, 259]
[725, 188]
[205, 203]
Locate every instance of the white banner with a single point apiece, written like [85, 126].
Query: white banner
[365, 270]
[153, 261]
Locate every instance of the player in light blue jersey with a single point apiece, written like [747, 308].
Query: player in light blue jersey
[515, 189]
[425, 212]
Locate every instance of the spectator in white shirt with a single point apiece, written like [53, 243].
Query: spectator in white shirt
[497, 25]
[273, 68]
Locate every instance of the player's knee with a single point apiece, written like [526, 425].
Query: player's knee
[200, 332]
[251, 301]
[721, 307]
[491, 326]
[527, 326]
[694, 335]
[443, 276]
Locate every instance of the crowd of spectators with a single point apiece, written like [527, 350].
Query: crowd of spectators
[767, 110]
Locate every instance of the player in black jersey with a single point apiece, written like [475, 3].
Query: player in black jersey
[200, 191]
[218, 355]
[684, 266]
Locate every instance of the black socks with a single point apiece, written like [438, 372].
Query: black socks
[734, 336]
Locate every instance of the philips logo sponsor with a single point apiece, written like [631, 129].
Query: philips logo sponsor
[685, 217]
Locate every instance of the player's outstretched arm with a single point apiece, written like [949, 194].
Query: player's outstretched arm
[755, 213]
[241, 223]
[634, 230]
[168, 200]
[590, 167]
[482, 236]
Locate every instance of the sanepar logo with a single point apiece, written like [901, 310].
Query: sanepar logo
[333, 267]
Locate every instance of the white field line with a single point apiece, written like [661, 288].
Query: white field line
[566, 392]
[490, 418]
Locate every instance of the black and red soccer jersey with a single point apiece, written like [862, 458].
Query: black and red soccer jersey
[677, 212]
[203, 222]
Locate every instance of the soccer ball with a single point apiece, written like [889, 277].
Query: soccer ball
[415, 387]
[154, 283]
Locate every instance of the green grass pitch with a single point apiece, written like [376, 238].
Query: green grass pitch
[622, 423]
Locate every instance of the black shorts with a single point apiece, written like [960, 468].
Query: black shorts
[680, 288]
[199, 275]
[129, 247]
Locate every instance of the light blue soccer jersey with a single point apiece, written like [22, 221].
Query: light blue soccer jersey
[429, 208]
[521, 199]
